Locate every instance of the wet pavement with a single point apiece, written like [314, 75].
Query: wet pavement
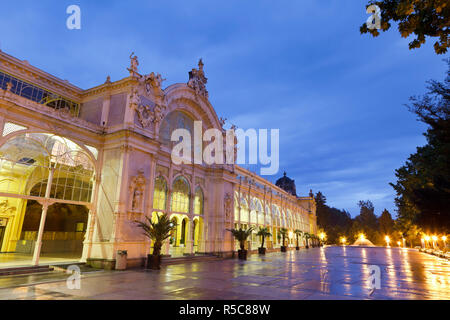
[319, 273]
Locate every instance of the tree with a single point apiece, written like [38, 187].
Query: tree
[408, 231]
[284, 232]
[263, 233]
[241, 235]
[366, 222]
[334, 221]
[298, 233]
[386, 223]
[158, 232]
[307, 236]
[424, 18]
[367, 217]
[423, 183]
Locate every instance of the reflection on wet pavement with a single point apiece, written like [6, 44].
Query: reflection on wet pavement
[320, 273]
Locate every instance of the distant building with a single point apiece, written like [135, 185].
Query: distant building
[287, 184]
[79, 167]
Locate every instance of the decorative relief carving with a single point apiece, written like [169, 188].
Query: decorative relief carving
[5, 208]
[137, 191]
[153, 84]
[145, 113]
[228, 205]
[197, 80]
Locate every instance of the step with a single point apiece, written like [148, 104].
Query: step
[24, 270]
[188, 259]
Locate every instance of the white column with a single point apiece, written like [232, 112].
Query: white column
[189, 242]
[38, 245]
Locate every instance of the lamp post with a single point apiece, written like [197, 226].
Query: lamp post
[423, 242]
[427, 239]
[388, 240]
[343, 241]
[434, 238]
[444, 240]
[322, 237]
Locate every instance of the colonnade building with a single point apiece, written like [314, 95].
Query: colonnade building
[78, 168]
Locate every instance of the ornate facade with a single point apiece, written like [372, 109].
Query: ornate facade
[79, 167]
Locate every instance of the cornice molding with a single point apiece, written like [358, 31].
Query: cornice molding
[63, 117]
[24, 70]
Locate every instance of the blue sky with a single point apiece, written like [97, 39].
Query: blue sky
[300, 66]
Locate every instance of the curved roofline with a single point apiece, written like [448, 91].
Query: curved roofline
[204, 103]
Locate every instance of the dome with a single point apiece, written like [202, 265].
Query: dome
[286, 184]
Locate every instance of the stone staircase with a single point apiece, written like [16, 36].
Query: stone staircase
[24, 270]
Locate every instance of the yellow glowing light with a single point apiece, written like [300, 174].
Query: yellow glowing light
[322, 235]
[427, 238]
[343, 240]
[399, 243]
[434, 238]
[444, 238]
[290, 234]
[387, 239]
[362, 236]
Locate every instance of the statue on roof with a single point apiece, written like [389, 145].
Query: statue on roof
[134, 63]
[197, 80]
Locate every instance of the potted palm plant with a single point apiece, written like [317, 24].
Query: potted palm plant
[241, 236]
[158, 232]
[307, 236]
[263, 233]
[298, 234]
[283, 232]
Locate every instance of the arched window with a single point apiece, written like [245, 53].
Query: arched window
[27, 158]
[198, 202]
[268, 216]
[244, 211]
[180, 195]
[276, 215]
[174, 120]
[160, 194]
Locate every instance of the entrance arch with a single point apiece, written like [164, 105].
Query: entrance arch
[47, 172]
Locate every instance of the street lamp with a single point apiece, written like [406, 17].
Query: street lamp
[322, 237]
[427, 239]
[444, 239]
[343, 241]
[388, 240]
[399, 243]
[434, 238]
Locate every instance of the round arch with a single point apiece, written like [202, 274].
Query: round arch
[49, 171]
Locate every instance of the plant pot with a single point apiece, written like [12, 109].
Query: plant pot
[242, 254]
[153, 262]
[283, 248]
[262, 250]
[297, 248]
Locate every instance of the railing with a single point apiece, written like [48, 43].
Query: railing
[36, 94]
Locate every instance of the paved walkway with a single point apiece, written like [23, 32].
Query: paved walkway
[319, 273]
